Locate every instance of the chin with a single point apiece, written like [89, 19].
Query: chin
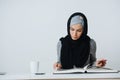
[74, 38]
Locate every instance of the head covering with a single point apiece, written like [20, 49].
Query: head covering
[77, 20]
[75, 52]
[84, 20]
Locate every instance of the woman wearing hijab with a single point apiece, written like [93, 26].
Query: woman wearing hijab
[77, 49]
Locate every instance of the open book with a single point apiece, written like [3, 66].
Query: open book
[83, 70]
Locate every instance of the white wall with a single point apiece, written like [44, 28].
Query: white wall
[30, 29]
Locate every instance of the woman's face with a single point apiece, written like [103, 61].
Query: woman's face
[76, 31]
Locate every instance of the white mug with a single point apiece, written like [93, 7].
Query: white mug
[34, 66]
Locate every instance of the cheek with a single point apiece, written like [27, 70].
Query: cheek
[79, 34]
[71, 32]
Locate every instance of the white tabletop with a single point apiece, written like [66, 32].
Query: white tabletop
[61, 76]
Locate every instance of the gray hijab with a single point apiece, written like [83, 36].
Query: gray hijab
[77, 20]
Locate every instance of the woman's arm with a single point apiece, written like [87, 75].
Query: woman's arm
[58, 65]
[58, 51]
[93, 61]
[92, 52]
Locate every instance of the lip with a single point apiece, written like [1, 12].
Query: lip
[75, 37]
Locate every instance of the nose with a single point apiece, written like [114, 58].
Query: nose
[74, 33]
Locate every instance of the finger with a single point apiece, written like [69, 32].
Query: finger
[55, 65]
[99, 65]
[102, 61]
[59, 65]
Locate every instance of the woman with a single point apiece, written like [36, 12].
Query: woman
[77, 49]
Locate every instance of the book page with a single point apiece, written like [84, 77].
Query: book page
[67, 71]
[103, 70]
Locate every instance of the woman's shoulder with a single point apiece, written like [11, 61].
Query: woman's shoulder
[59, 42]
[92, 42]
[63, 39]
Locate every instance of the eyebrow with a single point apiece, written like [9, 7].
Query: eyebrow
[77, 29]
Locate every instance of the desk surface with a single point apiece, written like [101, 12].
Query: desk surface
[50, 76]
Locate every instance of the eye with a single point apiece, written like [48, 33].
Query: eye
[80, 30]
[71, 29]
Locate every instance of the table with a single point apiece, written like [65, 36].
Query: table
[50, 76]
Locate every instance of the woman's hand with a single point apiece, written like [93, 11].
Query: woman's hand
[57, 66]
[101, 63]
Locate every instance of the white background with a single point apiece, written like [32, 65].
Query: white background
[30, 30]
